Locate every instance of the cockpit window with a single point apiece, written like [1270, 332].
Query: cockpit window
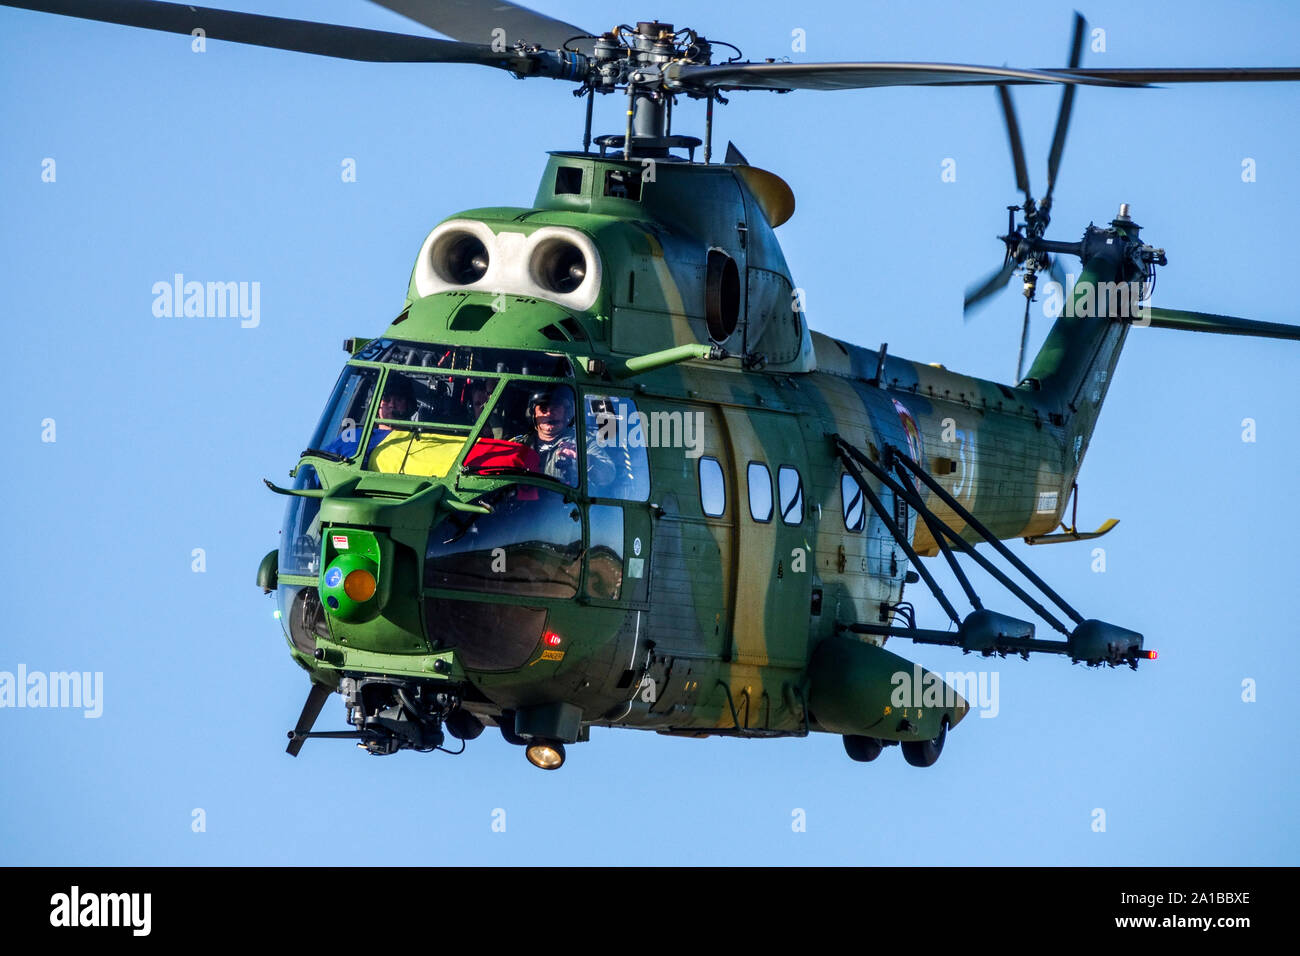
[453, 400]
[300, 534]
[617, 466]
[464, 358]
[532, 431]
[423, 421]
[339, 431]
[420, 420]
[530, 545]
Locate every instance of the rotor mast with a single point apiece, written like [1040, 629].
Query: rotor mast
[636, 59]
[653, 46]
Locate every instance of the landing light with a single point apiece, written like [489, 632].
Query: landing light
[545, 755]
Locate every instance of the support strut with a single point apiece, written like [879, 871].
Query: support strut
[1095, 643]
[987, 535]
[937, 524]
[899, 536]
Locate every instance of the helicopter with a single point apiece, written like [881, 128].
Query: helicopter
[442, 579]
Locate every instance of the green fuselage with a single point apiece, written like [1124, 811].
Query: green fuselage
[705, 588]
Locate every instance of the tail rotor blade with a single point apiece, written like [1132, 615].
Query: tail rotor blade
[994, 283]
[1024, 345]
[1013, 136]
[1067, 105]
[1057, 273]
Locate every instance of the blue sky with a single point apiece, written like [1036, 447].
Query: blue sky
[226, 166]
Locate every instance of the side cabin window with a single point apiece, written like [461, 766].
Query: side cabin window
[760, 492]
[605, 553]
[713, 488]
[617, 463]
[790, 493]
[851, 494]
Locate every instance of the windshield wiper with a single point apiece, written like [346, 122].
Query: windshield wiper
[462, 530]
[399, 424]
[322, 453]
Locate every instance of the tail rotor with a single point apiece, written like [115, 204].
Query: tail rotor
[1024, 242]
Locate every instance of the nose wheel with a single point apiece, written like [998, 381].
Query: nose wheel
[924, 753]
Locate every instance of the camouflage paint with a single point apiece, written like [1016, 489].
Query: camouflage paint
[722, 638]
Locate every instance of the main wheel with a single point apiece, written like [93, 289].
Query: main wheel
[506, 724]
[862, 749]
[923, 753]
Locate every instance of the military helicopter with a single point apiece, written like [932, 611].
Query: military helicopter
[599, 471]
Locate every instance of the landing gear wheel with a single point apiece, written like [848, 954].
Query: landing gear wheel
[506, 724]
[463, 725]
[862, 749]
[923, 753]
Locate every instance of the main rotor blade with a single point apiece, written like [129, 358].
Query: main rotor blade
[1013, 135]
[1222, 324]
[1067, 105]
[994, 283]
[1143, 76]
[854, 76]
[302, 36]
[476, 21]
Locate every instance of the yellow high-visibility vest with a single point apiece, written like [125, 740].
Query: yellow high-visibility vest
[427, 454]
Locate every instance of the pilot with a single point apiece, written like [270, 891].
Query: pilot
[479, 393]
[554, 439]
[397, 402]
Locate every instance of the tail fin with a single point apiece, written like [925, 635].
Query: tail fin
[1075, 366]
